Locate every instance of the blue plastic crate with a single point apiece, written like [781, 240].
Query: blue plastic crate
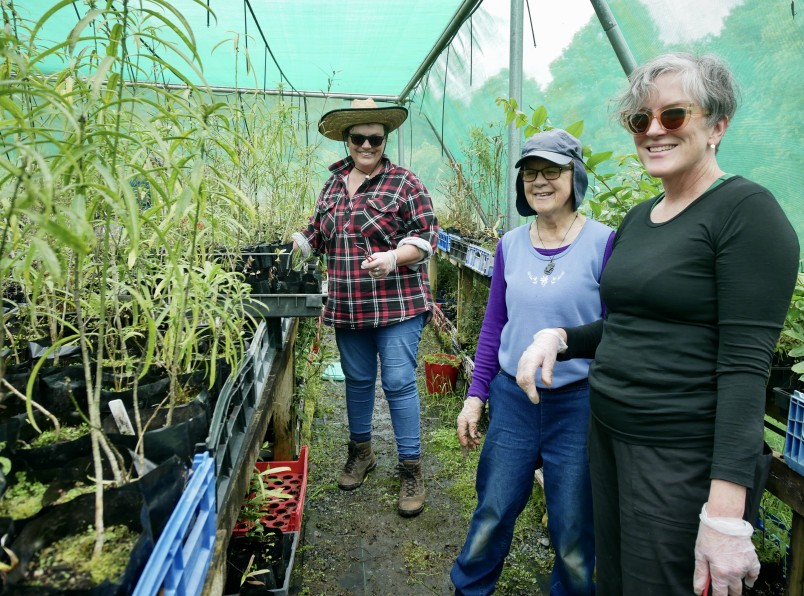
[772, 530]
[181, 556]
[794, 442]
[444, 240]
[479, 259]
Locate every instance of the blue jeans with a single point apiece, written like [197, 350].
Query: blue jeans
[521, 437]
[397, 346]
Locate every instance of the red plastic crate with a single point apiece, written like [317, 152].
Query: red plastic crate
[284, 514]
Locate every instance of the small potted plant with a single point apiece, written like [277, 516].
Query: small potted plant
[441, 372]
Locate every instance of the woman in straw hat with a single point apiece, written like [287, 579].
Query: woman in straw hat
[375, 222]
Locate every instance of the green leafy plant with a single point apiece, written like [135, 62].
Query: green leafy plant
[114, 205]
[442, 358]
[791, 340]
[475, 191]
[260, 496]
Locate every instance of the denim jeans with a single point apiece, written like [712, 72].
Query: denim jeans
[397, 346]
[521, 437]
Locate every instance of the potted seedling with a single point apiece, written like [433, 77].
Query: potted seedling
[441, 372]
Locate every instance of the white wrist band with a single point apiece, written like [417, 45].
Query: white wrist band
[393, 254]
[562, 345]
[731, 526]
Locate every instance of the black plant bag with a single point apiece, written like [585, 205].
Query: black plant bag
[121, 507]
[144, 505]
[272, 551]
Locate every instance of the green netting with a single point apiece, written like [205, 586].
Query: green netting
[366, 48]
[761, 41]
[354, 47]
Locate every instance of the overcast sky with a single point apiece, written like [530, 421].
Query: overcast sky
[555, 22]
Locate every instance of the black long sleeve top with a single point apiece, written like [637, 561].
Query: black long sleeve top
[695, 306]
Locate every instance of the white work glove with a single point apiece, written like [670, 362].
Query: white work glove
[467, 422]
[301, 243]
[546, 345]
[380, 264]
[724, 552]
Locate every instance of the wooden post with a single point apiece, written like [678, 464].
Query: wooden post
[465, 292]
[795, 573]
[432, 273]
[284, 414]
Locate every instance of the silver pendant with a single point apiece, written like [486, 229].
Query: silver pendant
[549, 269]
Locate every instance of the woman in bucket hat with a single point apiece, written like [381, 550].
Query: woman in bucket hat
[545, 271]
[375, 222]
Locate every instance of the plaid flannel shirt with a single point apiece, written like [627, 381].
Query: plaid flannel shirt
[390, 208]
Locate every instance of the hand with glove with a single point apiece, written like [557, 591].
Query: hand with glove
[725, 554]
[546, 345]
[468, 420]
[380, 264]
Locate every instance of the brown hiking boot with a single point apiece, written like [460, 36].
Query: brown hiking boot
[411, 488]
[361, 461]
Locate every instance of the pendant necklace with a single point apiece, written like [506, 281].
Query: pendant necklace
[367, 174]
[551, 265]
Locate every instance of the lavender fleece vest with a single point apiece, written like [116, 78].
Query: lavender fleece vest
[567, 297]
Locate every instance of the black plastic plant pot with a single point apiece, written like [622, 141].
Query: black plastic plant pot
[259, 564]
[16, 374]
[261, 286]
[39, 347]
[292, 282]
[59, 385]
[189, 427]
[161, 486]
[148, 394]
[311, 284]
[28, 538]
[262, 255]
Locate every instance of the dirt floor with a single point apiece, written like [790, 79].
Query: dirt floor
[354, 542]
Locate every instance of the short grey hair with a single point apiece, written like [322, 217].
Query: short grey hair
[705, 79]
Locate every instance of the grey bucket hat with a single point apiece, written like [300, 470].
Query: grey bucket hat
[559, 147]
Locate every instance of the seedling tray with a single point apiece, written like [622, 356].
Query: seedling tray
[285, 305]
[282, 513]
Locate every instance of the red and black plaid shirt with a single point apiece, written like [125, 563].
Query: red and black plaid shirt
[387, 208]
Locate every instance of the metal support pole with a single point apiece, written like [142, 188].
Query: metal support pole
[400, 137]
[614, 34]
[515, 92]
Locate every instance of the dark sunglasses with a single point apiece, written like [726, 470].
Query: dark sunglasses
[672, 118]
[374, 140]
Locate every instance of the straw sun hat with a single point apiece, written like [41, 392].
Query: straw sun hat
[335, 123]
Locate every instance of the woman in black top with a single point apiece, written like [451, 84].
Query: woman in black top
[696, 290]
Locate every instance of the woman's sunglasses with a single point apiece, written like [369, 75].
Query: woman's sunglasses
[672, 118]
[358, 140]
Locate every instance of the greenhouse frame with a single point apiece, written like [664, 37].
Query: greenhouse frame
[154, 150]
